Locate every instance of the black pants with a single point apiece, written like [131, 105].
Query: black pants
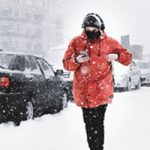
[94, 124]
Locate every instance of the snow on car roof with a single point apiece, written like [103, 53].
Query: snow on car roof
[19, 53]
[142, 64]
[119, 69]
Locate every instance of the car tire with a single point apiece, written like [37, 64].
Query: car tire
[26, 112]
[129, 85]
[138, 86]
[29, 111]
[64, 100]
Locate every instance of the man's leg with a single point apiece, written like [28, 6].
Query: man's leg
[94, 123]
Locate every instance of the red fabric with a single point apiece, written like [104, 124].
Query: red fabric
[93, 83]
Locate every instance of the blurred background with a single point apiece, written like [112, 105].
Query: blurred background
[37, 26]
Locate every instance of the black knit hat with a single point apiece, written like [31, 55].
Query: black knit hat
[93, 20]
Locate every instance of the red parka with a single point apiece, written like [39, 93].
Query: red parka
[93, 81]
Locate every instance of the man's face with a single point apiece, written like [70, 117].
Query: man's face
[92, 33]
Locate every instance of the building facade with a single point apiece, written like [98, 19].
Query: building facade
[135, 49]
[56, 22]
[28, 26]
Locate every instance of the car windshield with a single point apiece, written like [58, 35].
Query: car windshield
[119, 69]
[143, 65]
[6, 60]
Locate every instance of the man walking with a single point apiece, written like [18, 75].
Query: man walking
[90, 56]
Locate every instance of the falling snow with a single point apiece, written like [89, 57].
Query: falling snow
[126, 127]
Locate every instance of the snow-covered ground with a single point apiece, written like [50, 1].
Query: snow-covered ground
[127, 127]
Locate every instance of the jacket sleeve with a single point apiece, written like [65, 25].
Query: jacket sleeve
[69, 62]
[124, 56]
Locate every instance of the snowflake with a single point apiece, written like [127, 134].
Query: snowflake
[91, 46]
[95, 132]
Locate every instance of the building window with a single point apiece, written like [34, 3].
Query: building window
[6, 13]
[28, 2]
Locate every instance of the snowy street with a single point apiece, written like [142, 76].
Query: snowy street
[127, 127]
[48, 47]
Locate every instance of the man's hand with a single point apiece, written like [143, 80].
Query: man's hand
[112, 57]
[82, 58]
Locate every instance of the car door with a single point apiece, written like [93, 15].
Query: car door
[37, 82]
[54, 86]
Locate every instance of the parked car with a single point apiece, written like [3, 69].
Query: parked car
[68, 78]
[29, 87]
[126, 77]
[55, 56]
[145, 71]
